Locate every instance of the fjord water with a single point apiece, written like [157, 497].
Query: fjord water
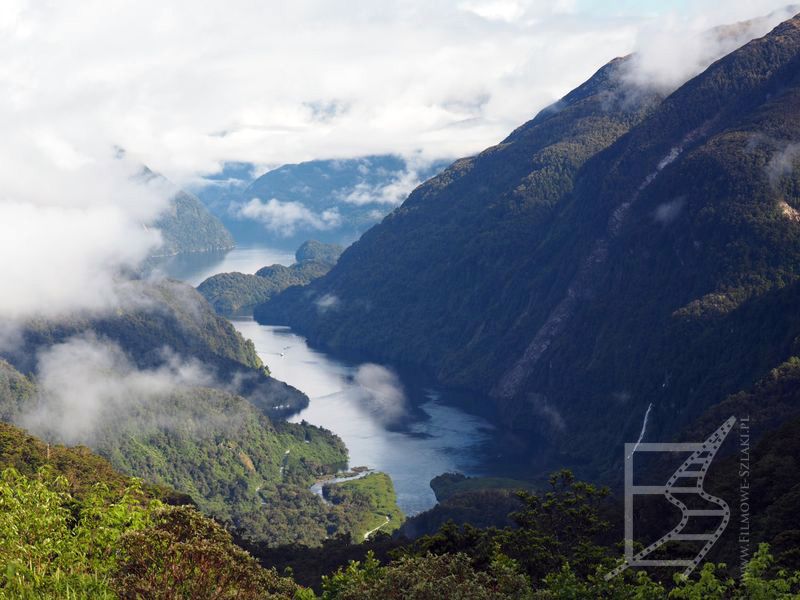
[197, 267]
[413, 437]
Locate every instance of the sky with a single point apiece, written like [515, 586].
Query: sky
[185, 86]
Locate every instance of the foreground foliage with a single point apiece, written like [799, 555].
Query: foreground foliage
[110, 544]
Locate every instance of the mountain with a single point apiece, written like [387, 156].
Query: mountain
[239, 293]
[158, 322]
[212, 446]
[334, 201]
[187, 226]
[616, 266]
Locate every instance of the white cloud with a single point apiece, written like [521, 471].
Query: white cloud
[86, 384]
[668, 212]
[672, 50]
[382, 393]
[392, 193]
[284, 218]
[184, 86]
[69, 222]
[326, 303]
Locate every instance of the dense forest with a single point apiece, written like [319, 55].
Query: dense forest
[70, 526]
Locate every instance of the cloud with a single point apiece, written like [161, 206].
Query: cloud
[672, 50]
[382, 393]
[667, 212]
[284, 218]
[69, 224]
[392, 193]
[187, 86]
[783, 163]
[86, 385]
[326, 303]
[549, 414]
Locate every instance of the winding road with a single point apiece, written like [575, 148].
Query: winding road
[371, 531]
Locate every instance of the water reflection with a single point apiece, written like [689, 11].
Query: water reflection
[357, 403]
[195, 268]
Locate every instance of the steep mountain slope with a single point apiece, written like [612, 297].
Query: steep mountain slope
[188, 226]
[239, 293]
[608, 256]
[160, 321]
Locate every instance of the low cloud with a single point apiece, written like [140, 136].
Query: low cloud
[382, 393]
[669, 51]
[668, 212]
[69, 225]
[284, 218]
[783, 164]
[549, 414]
[86, 385]
[392, 193]
[326, 303]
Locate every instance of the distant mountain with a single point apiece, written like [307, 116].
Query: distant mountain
[334, 201]
[188, 227]
[619, 255]
[239, 293]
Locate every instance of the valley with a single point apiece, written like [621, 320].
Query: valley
[329, 363]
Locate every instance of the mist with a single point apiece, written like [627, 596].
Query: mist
[670, 51]
[87, 385]
[382, 393]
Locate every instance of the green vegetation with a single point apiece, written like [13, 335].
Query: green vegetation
[80, 469]
[64, 536]
[618, 251]
[554, 552]
[447, 485]
[237, 293]
[188, 226]
[236, 464]
[116, 544]
[372, 496]
[232, 460]
[314, 251]
[172, 316]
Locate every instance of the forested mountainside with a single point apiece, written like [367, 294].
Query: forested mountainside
[217, 448]
[158, 321]
[240, 293]
[187, 226]
[618, 252]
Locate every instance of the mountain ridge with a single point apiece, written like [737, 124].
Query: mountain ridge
[532, 278]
